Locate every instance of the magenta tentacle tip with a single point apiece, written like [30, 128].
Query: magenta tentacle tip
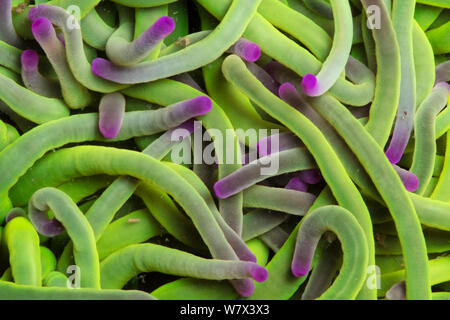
[111, 113]
[30, 59]
[300, 270]
[32, 14]
[312, 176]
[218, 190]
[41, 27]
[188, 125]
[53, 228]
[201, 105]
[14, 213]
[297, 184]
[162, 27]
[310, 84]
[9, 217]
[393, 154]
[246, 289]
[110, 124]
[250, 257]
[411, 182]
[36, 11]
[271, 67]
[44, 225]
[252, 52]
[285, 89]
[109, 132]
[100, 67]
[258, 273]
[247, 50]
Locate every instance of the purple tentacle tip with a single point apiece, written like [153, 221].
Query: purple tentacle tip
[271, 67]
[111, 113]
[200, 105]
[297, 184]
[109, 131]
[252, 52]
[41, 27]
[310, 84]
[249, 256]
[259, 273]
[218, 186]
[312, 176]
[14, 213]
[162, 27]
[247, 50]
[53, 228]
[188, 125]
[411, 182]
[110, 122]
[101, 67]
[245, 287]
[32, 14]
[30, 59]
[44, 225]
[300, 270]
[286, 89]
[394, 153]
